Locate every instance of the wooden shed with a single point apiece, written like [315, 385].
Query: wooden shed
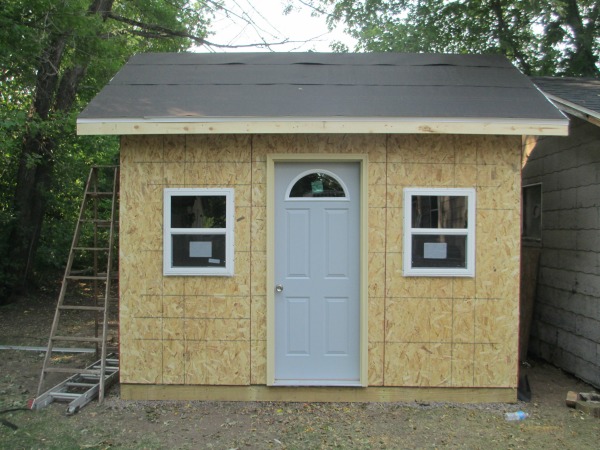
[320, 227]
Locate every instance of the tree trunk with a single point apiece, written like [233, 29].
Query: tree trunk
[36, 164]
[582, 61]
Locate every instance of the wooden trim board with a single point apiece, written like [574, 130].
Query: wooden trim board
[317, 394]
[324, 125]
[362, 160]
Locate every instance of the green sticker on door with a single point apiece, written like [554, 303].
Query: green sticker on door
[317, 186]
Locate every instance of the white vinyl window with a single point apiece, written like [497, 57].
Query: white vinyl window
[198, 231]
[439, 232]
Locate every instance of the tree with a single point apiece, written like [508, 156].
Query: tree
[545, 37]
[55, 55]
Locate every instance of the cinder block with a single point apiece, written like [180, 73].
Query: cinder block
[588, 328]
[588, 196]
[588, 284]
[578, 261]
[551, 220]
[568, 220]
[586, 218]
[588, 240]
[585, 370]
[565, 158]
[550, 258]
[558, 278]
[561, 239]
[546, 333]
[590, 407]
[551, 201]
[558, 318]
[577, 176]
[579, 346]
[568, 198]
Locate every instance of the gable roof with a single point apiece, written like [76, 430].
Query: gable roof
[577, 96]
[320, 93]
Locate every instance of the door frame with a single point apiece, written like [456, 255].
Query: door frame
[362, 160]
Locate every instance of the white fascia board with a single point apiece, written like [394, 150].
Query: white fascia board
[310, 125]
[575, 109]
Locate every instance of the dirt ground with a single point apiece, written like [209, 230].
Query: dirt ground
[222, 425]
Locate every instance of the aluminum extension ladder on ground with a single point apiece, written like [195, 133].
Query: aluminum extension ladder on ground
[82, 387]
[86, 302]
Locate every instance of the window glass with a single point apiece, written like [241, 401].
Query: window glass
[206, 250]
[195, 211]
[439, 251]
[317, 184]
[532, 212]
[432, 211]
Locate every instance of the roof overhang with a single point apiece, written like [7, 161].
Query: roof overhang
[313, 125]
[575, 109]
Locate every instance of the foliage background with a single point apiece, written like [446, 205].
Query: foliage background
[542, 37]
[55, 55]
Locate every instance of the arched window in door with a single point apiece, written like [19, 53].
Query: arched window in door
[317, 184]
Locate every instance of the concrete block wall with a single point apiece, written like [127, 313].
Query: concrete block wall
[566, 323]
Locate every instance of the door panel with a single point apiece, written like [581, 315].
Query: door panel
[317, 266]
[337, 326]
[298, 249]
[336, 242]
[298, 321]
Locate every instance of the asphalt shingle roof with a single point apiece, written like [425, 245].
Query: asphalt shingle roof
[584, 92]
[319, 86]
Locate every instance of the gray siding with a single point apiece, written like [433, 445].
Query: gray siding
[566, 322]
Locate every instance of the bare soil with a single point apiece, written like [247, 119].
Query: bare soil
[227, 425]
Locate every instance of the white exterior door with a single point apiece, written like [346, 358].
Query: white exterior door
[317, 274]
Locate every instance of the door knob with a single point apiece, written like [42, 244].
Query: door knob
[279, 288]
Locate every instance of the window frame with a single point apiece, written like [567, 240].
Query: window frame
[525, 214]
[306, 173]
[169, 232]
[469, 232]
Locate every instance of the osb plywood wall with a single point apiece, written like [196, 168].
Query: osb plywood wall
[452, 332]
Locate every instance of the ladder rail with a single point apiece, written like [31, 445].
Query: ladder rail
[113, 211]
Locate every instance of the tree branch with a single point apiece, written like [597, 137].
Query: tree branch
[158, 32]
[163, 32]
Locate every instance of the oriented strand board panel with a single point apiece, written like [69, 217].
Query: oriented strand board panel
[423, 332]
[446, 331]
[182, 330]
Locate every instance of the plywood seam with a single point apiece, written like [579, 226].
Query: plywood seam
[452, 337]
[385, 268]
[252, 212]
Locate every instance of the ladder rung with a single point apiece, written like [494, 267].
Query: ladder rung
[64, 395]
[99, 194]
[85, 277]
[107, 367]
[77, 338]
[102, 222]
[74, 384]
[82, 308]
[72, 370]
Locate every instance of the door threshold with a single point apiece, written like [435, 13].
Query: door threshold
[317, 383]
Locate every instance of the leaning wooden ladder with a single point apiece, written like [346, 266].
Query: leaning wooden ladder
[86, 297]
